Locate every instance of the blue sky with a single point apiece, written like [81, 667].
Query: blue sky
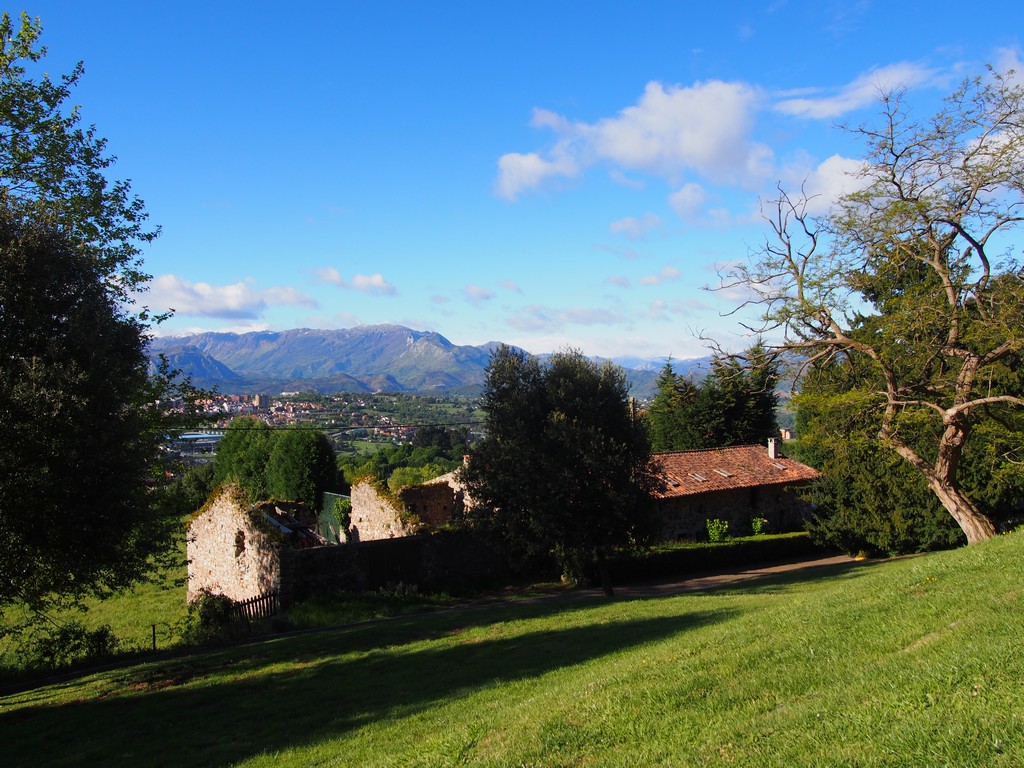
[544, 174]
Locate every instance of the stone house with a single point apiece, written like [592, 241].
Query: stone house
[381, 514]
[733, 484]
[245, 551]
[235, 549]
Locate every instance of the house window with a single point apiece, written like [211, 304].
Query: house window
[723, 473]
[699, 478]
[778, 466]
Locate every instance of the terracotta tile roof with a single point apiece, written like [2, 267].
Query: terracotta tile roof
[687, 473]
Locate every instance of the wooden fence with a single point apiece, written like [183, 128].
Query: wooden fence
[256, 608]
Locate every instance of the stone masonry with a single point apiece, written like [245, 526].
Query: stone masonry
[229, 553]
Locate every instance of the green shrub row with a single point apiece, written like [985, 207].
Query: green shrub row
[667, 560]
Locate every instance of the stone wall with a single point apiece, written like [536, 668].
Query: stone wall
[435, 502]
[233, 552]
[228, 553]
[686, 517]
[448, 561]
[375, 517]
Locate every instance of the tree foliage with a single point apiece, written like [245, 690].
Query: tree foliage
[910, 278]
[55, 169]
[301, 466]
[434, 451]
[82, 502]
[564, 468]
[734, 405]
[295, 464]
[242, 456]
[449, 440]
[868, 499]
[80, 427]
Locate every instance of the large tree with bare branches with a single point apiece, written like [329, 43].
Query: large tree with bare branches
[913, 281]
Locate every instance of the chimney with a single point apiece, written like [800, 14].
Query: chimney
[772, 451]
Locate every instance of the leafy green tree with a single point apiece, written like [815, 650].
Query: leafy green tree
[446, 439]
[54, 169]
[910, 278]
[734, 404]
[301, 466]
[392, 458]
[564, 468]
[81, 493]
[670, 420]
[243, 455]
[81, 434]
[868, 499]
[194, 485]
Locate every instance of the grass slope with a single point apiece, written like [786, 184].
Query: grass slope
[910, 662]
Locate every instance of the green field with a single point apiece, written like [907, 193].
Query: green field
[910, 662]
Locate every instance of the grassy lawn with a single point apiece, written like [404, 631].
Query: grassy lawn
[910, 662]
[131, 615]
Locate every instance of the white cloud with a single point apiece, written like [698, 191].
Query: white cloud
[191, 330]
[236, 301]
[374, 284]
[329, 275]
[1008, 59]
[536, 318]
[824, 184]
[619, 280]
[687, 201]
[862, 92]
[519, 172]
[665, 275]
[287, 296]
[511, 285]
[704, 129]
[659, 309]
[587, 316]
[438, 298]
[476, 294]
[635, 228]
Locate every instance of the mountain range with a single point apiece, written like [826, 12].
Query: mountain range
[367, 358]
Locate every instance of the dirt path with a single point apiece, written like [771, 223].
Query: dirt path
[726, 578]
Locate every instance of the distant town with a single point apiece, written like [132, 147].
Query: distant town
[354, 422]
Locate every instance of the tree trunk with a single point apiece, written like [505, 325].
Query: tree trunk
[942, 479]
[975, 525]
[606, 578]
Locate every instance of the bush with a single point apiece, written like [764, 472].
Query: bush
[718, 530]
[759, 525]
[66, 645]
[210, 620]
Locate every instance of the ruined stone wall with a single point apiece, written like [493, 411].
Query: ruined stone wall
[451, 561]
[228, 554]
[318, 570]
[375, 517]
[434, 503]
[686, 517]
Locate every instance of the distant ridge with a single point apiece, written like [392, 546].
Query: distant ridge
[365, 358]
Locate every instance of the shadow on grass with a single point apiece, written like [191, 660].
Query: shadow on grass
[302, 691]
[738, 582]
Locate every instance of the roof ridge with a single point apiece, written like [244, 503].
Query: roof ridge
[708, 450]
